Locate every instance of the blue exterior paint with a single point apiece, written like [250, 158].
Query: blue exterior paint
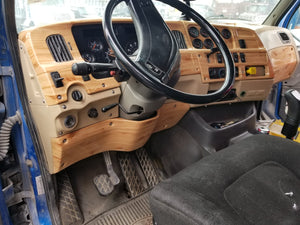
[22, 140]
[278, 100]
[286, 19]
[4, 214]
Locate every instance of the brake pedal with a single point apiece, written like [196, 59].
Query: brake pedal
[115, 180]
[106, 183]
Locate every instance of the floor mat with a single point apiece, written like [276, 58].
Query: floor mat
[67, 203]
[134, 212]
[90, 201]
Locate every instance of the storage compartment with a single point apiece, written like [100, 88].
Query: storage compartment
[213, 127]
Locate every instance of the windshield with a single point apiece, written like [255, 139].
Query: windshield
[30, 13]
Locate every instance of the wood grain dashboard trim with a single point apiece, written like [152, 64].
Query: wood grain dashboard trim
[282, 68]
[194, 61]
[43, 63]
[113, 134]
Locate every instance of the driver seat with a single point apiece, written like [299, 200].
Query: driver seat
[253, 182]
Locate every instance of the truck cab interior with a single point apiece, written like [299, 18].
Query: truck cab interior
[147, 120]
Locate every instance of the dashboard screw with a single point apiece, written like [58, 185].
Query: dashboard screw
[29, 162]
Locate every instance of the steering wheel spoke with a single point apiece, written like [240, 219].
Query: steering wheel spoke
[157, 63]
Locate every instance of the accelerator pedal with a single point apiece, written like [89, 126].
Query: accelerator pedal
[106, 183]
[147, 167]
[132, 179]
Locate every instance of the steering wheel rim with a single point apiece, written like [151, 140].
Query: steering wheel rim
[154, 83]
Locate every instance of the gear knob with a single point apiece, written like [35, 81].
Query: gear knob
[292, 121]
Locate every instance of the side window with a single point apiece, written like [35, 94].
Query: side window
[295, 20]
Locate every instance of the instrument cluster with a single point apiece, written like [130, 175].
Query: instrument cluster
[93, 46]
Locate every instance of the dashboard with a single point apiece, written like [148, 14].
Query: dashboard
[78, 116]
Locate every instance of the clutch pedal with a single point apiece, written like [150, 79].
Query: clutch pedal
[105, 183]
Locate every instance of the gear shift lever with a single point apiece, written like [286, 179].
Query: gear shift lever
[292, 121]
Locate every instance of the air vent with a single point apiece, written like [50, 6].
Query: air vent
[58, 48]
[180, 39]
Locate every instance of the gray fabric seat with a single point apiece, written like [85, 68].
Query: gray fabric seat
[253, 182]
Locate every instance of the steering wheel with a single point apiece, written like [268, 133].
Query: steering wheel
[157, 64]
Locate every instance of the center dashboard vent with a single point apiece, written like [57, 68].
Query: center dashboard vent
[58, 48]
[179, 38]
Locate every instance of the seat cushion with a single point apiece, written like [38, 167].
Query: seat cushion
[266, 195]
[245, 183]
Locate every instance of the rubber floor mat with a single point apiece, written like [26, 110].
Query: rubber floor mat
[134, 212]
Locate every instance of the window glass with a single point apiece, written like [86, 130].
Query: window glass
[30, 13]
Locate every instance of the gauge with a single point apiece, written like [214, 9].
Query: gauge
[193, 32]
[203, 32]
[88, 57]
[131, 47]
[95, 46]
[108, 56]
[226, 33]
[197, 43]
[208, 44]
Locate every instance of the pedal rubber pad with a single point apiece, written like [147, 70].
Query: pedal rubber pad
[103, 184]
[132, 179]
[147, 167]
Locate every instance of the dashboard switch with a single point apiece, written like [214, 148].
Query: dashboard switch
[235, 57]
[242, 43]
[57, 79]
[243, 58]
[93, 113]
[77, 96]
[219, 58]
[251, 71]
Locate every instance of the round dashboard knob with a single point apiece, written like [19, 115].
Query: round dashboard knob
[93, 113]
[70, 121]
[77, 96]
